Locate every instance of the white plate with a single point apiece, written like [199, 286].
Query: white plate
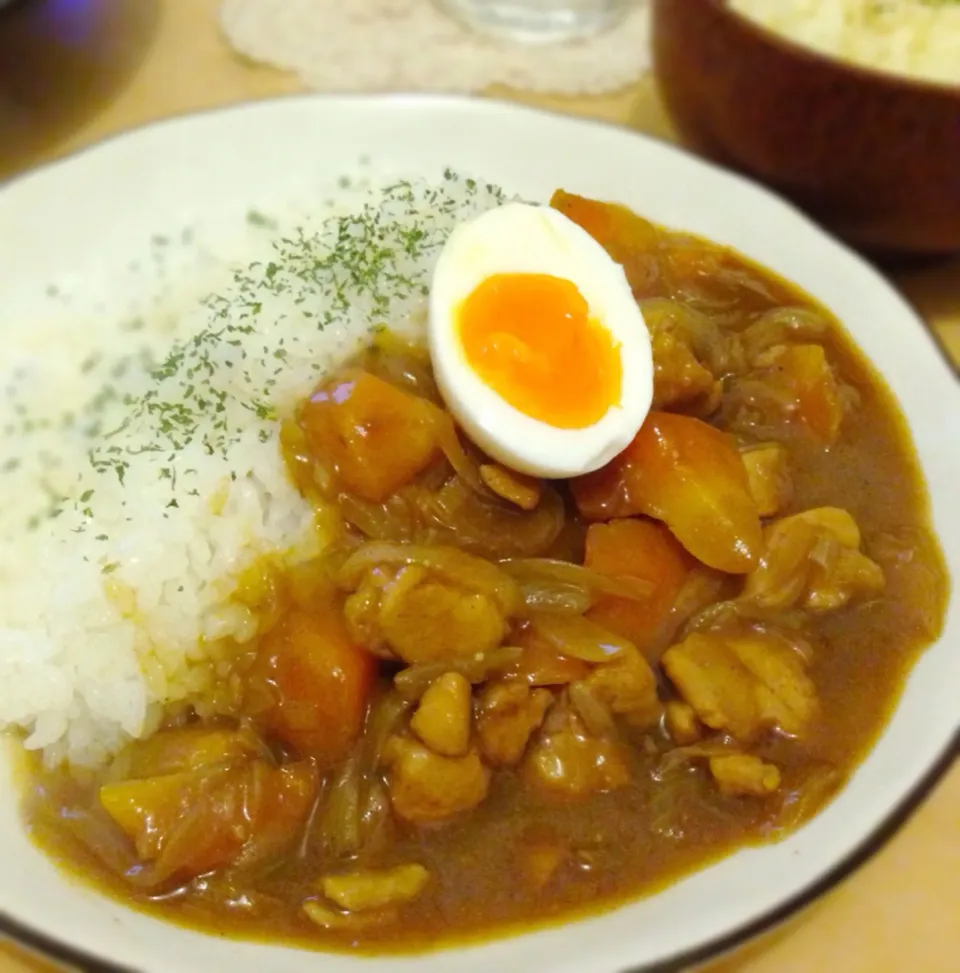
[76, 223]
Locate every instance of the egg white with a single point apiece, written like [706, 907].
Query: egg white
[523, 238]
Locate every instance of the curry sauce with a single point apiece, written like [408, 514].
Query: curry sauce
[495, 701]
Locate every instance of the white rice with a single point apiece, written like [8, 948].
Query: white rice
[169, 481]
[918, 38]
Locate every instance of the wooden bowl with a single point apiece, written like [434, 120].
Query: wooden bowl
[875, 157]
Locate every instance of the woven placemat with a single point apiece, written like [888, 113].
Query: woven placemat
[408, 45]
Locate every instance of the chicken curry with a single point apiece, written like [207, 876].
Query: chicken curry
[497, 700]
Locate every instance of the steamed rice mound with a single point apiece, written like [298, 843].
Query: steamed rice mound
[916, 38]
[120, 563]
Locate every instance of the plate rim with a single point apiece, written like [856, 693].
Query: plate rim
[482, 102]
[46, 946]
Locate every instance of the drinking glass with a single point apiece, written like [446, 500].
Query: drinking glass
[538, 21]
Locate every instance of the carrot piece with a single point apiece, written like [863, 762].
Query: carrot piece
[375, 436]
[689, 475]
[623, 234]
[639, 549]
[310, 685]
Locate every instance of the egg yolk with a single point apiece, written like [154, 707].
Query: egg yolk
[531, 339]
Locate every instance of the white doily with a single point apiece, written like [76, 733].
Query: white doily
[408, 45]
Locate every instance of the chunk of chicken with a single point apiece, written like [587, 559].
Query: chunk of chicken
[681, 383]
[691, 354]
[442, 720]
[365, 890]
[507, 714]
[743, 683]
[744, 775]
[806, 387]
[347, 922]
[434, 620]
[813, 560]
[628, 687]
[410, 615]
[426, 787]
[568, 762]
[522, 491]
[682, 723]
[769, 477]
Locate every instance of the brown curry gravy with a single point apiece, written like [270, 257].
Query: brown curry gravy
[635, 840]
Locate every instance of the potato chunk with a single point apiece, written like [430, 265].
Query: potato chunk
[195, 821]
[426, 787]
[376, 436]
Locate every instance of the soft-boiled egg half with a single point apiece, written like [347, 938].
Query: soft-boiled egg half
[539, 348]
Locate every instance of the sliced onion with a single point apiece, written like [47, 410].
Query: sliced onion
[674, 759]
[414, 681]
[402, 363]
[388, 521]
[339, 817]
[352, 811]
[555, 596]
[101, 836]
[493, 528]
[466, 468]
[825, 551]
[384, 716]
[718, 350]
[578, 637]
[783, 324]
[596, 717]
[575, 575]
[466, 570]
[801, 803]
[724, 615]
[375, 819]
[780, 578]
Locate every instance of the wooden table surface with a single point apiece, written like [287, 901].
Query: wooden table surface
[72, 73]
